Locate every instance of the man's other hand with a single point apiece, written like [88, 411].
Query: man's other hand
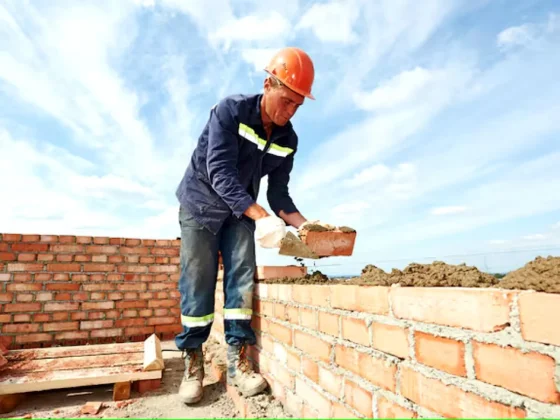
[270, 231]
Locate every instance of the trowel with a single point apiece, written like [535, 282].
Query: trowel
[292, 246]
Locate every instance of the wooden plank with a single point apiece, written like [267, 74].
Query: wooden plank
[153, 357]
[74, 351]
[81, 362]
[42, 381]
[121, 391]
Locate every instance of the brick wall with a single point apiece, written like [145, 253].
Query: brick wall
[357, 351]
[82, 289]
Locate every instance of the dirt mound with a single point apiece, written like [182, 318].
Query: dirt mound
[437, 274]
[315, 278]
[541, 274]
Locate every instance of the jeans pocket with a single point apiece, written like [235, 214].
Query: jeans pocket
[186, 220]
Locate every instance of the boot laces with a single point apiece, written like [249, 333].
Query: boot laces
[193, 363]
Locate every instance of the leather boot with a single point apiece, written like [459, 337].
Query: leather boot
[190, 390]
[240, 373]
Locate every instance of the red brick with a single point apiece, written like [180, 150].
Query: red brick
[139, 287]
[163, 320]
[7, 256]
[6, 297]
[60, 316]
[98, 287]
[96, 315]
[27, 257]
[72, 335]
[278, 271]
[99, 258]
[125, 304]
[96, 325]
[311, 294]
[355, 330]
[58, 306]
[135, 250]
[79, 297]
[172, 329]
[49, 238]
[132, 269]
[63, 267]
[99, 249]
[115, 296]
[23, 317]
[88, 306]
[164, 303]
[62, 286]
[22, 307]
[45, 257]
[41, 317]
[358, 398]
[131, 322]
[97, 296]
[25, 267]
[530, 374]
[331, 243]
[451, 401]
[163, 268]
[308, 318]
[30, 247]
[44, 296]
[169, 252]
[23, 277]
[390, 410]
[33, 338]
[161, 286]
[66, 239]
[64, 258]
[101, 240]
[5, 318]
[20, 328]
[24, 297]
[310, 369]
[341, 412]
[132, 242]
[313, 398]
[5, 276]
[390, 339]
[535, 311]
[280, 332]
[73, 249]
[377, 371]
[11, 237]
[440, 353]
[483, 310]
[21, 287]
[60, 326]
[328, 323]
[313, 346]
[82, 258]
[139, 331]
[145, 313]
[105, 333]
[84, 240]
[282, 374]
[116, 259]
[330, 382]
[373, 300]
[99, 267]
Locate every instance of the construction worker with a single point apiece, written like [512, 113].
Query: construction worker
[246, 137]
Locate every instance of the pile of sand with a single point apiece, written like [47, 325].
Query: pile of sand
[541, 274]
[437, 274]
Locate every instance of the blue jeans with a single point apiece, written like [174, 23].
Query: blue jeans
[197, 281]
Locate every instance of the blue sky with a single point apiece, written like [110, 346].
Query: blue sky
[435, 129]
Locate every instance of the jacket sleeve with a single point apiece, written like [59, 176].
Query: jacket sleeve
[278, 193]
[221, 160]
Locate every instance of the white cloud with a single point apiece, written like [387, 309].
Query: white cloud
[351, 208]
[333, 21]
[516, 36]
[534, 237]
[258, 57]
[448, 210]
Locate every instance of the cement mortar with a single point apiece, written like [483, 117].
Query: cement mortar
[541, 274]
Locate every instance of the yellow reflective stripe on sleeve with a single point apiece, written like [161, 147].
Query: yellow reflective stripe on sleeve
[248, 133]
[197, 321]
[238, 313]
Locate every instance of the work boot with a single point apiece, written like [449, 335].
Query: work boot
[190, 390]
[240, 373]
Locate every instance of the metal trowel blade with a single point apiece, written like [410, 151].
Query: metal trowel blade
[293, 246]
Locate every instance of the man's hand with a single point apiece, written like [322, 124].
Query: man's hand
[256, 212]
[270, 231]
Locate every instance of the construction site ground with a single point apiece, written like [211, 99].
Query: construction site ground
[163, 402]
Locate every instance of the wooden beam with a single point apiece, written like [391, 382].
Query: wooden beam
[153, 358]
[81, 362]
[41, 381]
[76, 351]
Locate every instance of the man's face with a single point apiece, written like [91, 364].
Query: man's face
[281, 103]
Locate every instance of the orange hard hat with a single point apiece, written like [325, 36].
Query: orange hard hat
[293, 67]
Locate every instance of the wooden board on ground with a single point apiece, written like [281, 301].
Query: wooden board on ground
[70, 367]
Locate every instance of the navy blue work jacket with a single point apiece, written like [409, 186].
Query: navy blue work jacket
[230, 158]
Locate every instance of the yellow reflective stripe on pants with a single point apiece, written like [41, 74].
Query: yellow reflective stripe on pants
[248, 133]
[238, 313]
[197, 321]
